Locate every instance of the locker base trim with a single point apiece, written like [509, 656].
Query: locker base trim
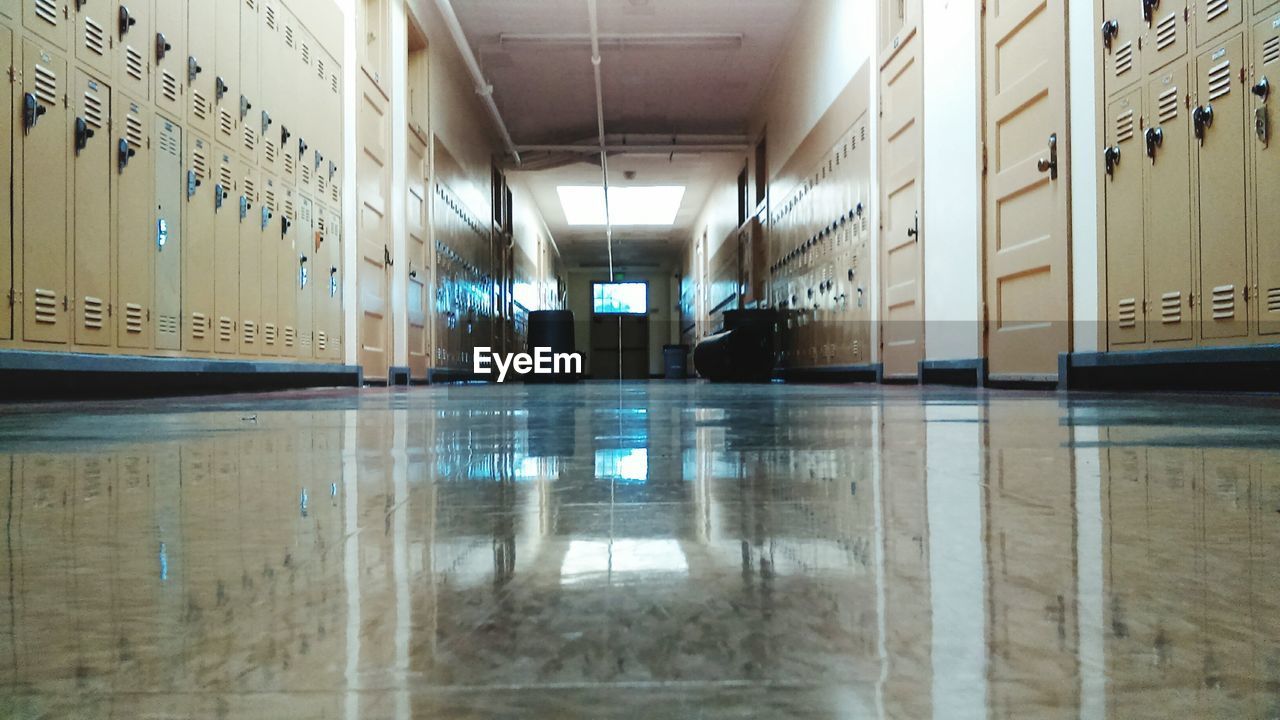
[969, 372]
[1252, 367]
[872, 373]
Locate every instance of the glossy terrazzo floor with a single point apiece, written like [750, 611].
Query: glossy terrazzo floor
[642, 551]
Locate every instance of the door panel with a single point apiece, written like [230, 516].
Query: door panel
[45, 141]
[169, 237]
[170, 60]
[227, 64]
[1222, 188]
[372, 280]
[91, 246]
[1122, 43]
[303, 268]
[1027, 260]
[268, 265]
[1126, 282]
[198, 255]
[1167, 36]
[6, 190]
[250, 256]
[47, 20]
[94, 34]
[1266, 148]
[417, 269]
[1168, 208]
[136, 41]
[1215, 17]
[135, 199]
[226, 280]
[287, 272]
[200, 71]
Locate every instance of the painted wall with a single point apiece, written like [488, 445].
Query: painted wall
[1083, 23]
[664, 311]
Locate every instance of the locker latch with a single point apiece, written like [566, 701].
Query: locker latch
[266, 122]
[83, 134]
[333, 170]
[1155, 139]
[285, 224]
[1202, 120]
[333, 282]
[127, 20]
[1262, 125]
[1110, 29]
[32, 111]
[319, 160]
[244, 207]
[284, 137]
[1262, 89]
[221, 87]
[302, 148]
[303, 275]
[193, 182]
[124, 152]
[1149, 9]
[1050, 164]
[1111, 157]
[219, 195]
[266, 218]
[162, 47]
[193, 69]
[245, 107]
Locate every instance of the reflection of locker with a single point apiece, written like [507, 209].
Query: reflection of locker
[226, 274]
[1265, 81]
[1168, 207]
[251, 100]
[286, 271]
[198, 252]
[136, 42]
[200, 70]
[170, 57]
[47, 19]
[1166, 38]
[306, 248]
[268, 275]
[1122, 43]
[93, 34]
[169, 239]
[1219, 127]
[91, 246]
[135, 231]
[6, 190]
[1215, 17]
[45, 142]
[250, 282]
[227, 70]
[41, 557]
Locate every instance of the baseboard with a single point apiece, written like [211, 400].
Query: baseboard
[871, 373]
[1253, 367]
[968, 372]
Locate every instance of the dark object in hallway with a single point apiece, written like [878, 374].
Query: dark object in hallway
[742, 353]
[551, 329]
[675, 360]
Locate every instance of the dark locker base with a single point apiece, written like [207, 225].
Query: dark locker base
[1255, 368]
[964, 373]
[27, 375]
[834, 374]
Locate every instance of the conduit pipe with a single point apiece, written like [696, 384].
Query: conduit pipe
[483, 87]
[604, 150]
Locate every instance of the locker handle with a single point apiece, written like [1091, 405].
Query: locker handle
[32, 111]
[1149, 9]
[285, 224]
[1111, 158]
[1050, 164]
[1262, 89]
[245, 107]
[83, 134]
[125, 153]
[284, 136]
[1155, 139]
[302, 148]
[221, 87]
[127, 20]
[162, 47]
[193, 68]
[1110, 29]
[1202, 119]
[266, 122]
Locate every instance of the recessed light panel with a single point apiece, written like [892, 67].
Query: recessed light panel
[630, 206]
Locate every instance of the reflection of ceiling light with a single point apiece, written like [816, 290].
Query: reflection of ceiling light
[702, 41]
[626, 465]
[585, 558]
[652, 206]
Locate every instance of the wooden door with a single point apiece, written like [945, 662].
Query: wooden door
[374, 239]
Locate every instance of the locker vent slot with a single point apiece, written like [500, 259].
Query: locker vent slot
[269, 333]
[1171, 308]
[288, 209]
[320, 69]
[322, 341]
[93, 110]
[250, 332]
[271, 18]
[95, 38]
[1273, 300]
[169, 86]
[306, 174]
[226, 124]
[1224, 302]
[1215, 8]
[225, 176]
[288, 164]
[333, 84]
[1271, 51]
[226, 329]
[46, 85]
[250, 139]
[199, 106]
[199, 325]
[251, 4]
[167, 325]
[1168, 105]
[321, 184]
[1220, 80]
[288, 36]
[200, 164]
[1167, 32]
[133, 318]
[134, 65]
[269, 150]
[1127, 313]
[306, 54]
[133, 131]
[334, 193]
[46, 306]
[290, 336]
[1124, 126]
[47, 10]
[306, 341]
[250, 189]
[169, 144]
[93, 313]
[1124, 59]
[271, 200]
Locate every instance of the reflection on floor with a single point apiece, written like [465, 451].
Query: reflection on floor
[642, 550]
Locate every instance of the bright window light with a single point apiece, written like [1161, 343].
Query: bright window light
[623, 465]
[584, 205]
[620, 298]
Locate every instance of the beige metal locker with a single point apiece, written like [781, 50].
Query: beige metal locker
[169, 243]
[170, 58]
[10, 9]
[287, 269]
[137, 41]
[1167, 36]
[226, 273]
[250, 255]
[1122, 29]
[1123, 160]
[268, 276]
[1215, 17]
[1167, 204]
[227, 71]
[331, 349]
[46, 139]
[91, 246]
[49, 21]
[306, 248]
[1266, 149]
[271, 105]
[6, 189]
[1218, 123]
[198, 253]
[95, 22]
[202, 86]
[417, 231]
[135, 223]
[251, 101]
[375, 262]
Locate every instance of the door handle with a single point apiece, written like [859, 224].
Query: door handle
[83, 134]
[914, 231]
[222, 87]
[285, 224]
[193, 68]
[1050, 164]
[1202, 119]
[1149, 9]
[162, 47]
[1110, 29]
[1262, 89]
[1155, 139]
[245, 107]
[284, 138]
[125, 152]
[266, 122]
[32, 111]
[1111, 158]
[386, 257]
[127, 20]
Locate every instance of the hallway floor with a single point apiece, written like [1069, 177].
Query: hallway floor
[642, 550]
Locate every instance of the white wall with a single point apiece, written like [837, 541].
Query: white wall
[1085, 143]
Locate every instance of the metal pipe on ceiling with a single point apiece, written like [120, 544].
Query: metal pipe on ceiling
[483, 87]
[603, 149]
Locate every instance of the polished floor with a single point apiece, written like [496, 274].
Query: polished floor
[644, 550]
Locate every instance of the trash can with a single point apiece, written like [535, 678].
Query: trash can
[551, 329]
[675, 358]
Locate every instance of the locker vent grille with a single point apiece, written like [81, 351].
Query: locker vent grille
[133, 318]
[1220, 80]
[169, 86]
[134, 65]
[250, 138]
[306, 54]
[133, 131]
[1271, 51]
[269, 150]
[322, 341]
[271, 18]
[321, 184]
[288, 36]
[1127, 313]
[169, 143]
[46, 85]
[93, 313]
[320, 68]
[199, 325]
[1273, 300]
[269, 333]
[1167, 32]
[226, 124]
[250, 332]
[333, 84]
[95, 38]
[290, 336]
[320, 226]
[93, 110]
[1171, 308]
[1215, 8]
[1124, 126]
[250, 189]
[334, 193]
[199, 163]
[288, 164]
[271, 200]
[47, 10]
[1224, 302]
[288, 209]
[225, 176]
[46, 306]
[167, 325]
[1124, 59]
[226, 329]
[306, 340]
[1168, 104]
[306, 174]
[199, 106]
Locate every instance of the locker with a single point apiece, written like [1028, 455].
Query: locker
[170, 61]
[227, 70]
[268, 273]
[137, 42]
[308, 246]
[1166, 39]
[93, 34]
[1266, 149]
[169, 238]
[1215, 17]
[1167, 207]
[287, 271]
[332, 292]
[46, 139]
[251, 99]
[1122, 30]
[200, 70]
[273, 108]
[226, 271]
[40, 558]
[48, 21]
[198, 253]
[250, 256]
[9, 9]
[1218, 123]
[93, 157]
[6, 190]
[135, 222]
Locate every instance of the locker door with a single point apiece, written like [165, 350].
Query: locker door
[168, 240]
[198, 255]
[92, 247]
[303, 268]
[94, 25]
[6, 190]
[170, 59]
[1215, 17]
[46, 139]
[226, 278]
[1126, 284]
[1122, 29]
[1168, 207]
[47, 20]
[271, 107]
[1266, 148]
[268, 275]
[250, 256]
[137, 42]
[372, 28]
[418, 275]
[1166, 38]
[250, 82]
[1222, 186]
[200, 70]
[227, 70]
[287, 272]
[333, 288]
[135, 201]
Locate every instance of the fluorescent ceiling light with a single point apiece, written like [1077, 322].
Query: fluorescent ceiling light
[653, 206]
[709, 41]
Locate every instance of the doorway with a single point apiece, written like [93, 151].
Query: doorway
[620, 331]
